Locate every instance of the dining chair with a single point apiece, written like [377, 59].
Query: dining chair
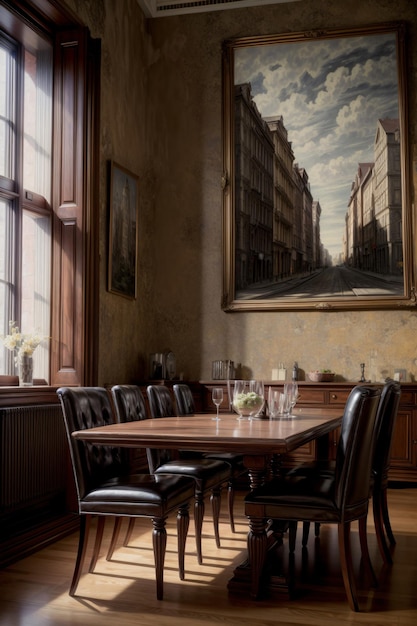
[340, 498]
[129, 406]
[209, 474]
[385, 422]
[103, 489]
[390, 402]
[185, 406]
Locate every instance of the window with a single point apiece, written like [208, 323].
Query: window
[49, 105]
[25, 189]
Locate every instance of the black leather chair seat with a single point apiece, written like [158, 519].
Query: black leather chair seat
[185, 406]
[138, 495]
[207, 473]
[297, 497]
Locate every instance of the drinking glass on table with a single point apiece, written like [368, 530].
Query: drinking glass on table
[291, 391]
[217, 397]
[274, 402]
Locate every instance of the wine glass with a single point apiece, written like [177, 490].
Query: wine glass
[217, 397]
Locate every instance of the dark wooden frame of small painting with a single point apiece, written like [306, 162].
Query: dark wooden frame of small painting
[123, 232]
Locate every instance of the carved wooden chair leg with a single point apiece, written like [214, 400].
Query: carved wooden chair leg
[199, 508]
[183, 521]
[159, 540]
[231, 501]
[292, 536]
[215, 505]
[306, 532]
[85, 521]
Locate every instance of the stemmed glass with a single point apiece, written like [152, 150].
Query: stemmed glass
[217, 397]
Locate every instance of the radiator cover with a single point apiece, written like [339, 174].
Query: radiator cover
[33, 455]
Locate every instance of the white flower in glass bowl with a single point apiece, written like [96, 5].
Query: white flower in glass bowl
[248, 403]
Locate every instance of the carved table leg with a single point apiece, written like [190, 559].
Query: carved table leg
[242, 583]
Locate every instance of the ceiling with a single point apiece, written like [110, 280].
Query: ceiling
[164, 8]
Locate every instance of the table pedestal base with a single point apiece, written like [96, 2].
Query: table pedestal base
[273, 581]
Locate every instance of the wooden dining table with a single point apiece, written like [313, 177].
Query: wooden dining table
[258, 440]
[261, 441]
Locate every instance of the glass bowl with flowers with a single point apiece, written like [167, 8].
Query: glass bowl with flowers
[248, 398]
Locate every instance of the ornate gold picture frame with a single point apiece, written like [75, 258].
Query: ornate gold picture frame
[316, 186]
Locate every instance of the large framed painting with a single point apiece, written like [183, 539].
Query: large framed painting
[317, 212]
[123, 231]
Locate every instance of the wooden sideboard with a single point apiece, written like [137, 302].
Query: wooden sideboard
[404, 446]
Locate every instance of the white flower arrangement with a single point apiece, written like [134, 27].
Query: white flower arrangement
[21, 344]
[249, 400]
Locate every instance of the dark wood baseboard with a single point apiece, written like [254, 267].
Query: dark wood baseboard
[23, 544]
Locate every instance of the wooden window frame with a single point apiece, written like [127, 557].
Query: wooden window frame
[75, 184]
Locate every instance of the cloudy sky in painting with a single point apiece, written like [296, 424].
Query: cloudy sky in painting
[330, 94]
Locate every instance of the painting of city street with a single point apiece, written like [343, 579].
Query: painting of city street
[318, 152]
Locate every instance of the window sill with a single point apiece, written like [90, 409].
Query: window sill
[13, 395]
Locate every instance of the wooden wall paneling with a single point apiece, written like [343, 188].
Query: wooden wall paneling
[69, 250]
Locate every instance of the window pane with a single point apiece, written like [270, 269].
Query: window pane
[36, 269]
[7, 109]
[38, 122]
[6, 284]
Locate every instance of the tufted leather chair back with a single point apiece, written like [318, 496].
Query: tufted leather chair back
[160, 401]
[160, 405]
[184, 399]
[88, 407]
[387, 414]
[355, 449]
[129, 403]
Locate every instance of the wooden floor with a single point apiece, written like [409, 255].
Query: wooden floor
[34, 591]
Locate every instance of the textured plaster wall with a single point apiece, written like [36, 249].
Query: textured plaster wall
[186, 90]
[124, 325]
[161, 117]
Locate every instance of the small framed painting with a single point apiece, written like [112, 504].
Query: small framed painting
[123, 232]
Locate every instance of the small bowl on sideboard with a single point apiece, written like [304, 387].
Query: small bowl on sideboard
[321, 377]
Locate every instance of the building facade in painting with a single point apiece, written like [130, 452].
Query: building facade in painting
[373, 225]
[254, 185]
[277, 224]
